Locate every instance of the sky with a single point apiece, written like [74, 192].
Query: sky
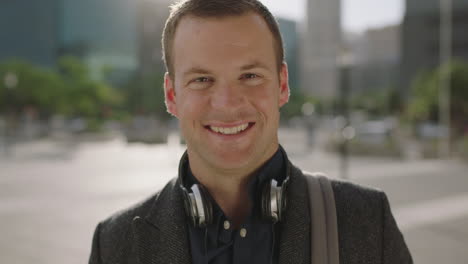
[357, 15]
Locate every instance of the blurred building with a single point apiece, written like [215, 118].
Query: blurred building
[380, 45]
[421, 37]
[376, 56]
[151, 18]
[115, 38]
[321, 45]
[288, 29]
[29, 30]
[103, 33]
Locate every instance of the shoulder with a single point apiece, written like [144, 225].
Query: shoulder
[120, 220]
[354, 203]
[360, 210]
[361, 219]
[113, 234]
[124, 217]
[349, 194]
[365, 221]
[358, 207]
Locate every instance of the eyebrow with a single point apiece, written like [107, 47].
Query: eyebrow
[199, 70]
[195, 70]
[253, 65]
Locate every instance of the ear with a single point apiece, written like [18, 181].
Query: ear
[284, 85]
[169, 95]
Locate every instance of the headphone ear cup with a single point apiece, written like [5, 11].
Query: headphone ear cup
[206, 206]
[190, 206]
[198, 207]
[266, 202]
[283, 201]
[274, 200]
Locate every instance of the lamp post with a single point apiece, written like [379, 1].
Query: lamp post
[10, 81]
[346, 133]
[445, 53]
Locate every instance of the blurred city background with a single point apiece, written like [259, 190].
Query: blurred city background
[379, 96]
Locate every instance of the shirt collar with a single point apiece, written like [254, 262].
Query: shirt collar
[274, 168]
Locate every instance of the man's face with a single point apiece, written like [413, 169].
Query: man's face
[226, 90]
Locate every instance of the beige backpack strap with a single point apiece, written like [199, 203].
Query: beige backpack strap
[324, 227]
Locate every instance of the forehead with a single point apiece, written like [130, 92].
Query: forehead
[232, 37]
[235, 23]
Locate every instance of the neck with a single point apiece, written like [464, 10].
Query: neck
[229, 188]
[233, 197]
[229, 191]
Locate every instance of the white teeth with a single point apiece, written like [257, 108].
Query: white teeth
[229, 130]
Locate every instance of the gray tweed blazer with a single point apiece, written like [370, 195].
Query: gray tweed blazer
[155, 230]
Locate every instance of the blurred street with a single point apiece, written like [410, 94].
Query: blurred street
[53, 194]
[377, 95]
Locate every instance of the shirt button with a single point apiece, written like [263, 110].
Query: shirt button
[227, 225]
[243, 232]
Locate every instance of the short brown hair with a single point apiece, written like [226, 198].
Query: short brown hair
[216, 8]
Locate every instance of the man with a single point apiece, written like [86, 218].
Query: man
[226, 81]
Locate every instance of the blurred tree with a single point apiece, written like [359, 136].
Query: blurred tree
[70, 91]
[378, 103]
[294, 106]
[424, 102]
[24, 85]
[84, 96]
[145, 95]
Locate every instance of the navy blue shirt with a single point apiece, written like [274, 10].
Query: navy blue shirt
[254, 240]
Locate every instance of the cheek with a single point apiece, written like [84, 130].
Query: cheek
[265, 99]
[191, 106]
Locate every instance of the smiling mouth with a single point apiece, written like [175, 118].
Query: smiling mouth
[230, 130]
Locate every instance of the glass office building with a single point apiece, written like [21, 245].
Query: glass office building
[102, 33]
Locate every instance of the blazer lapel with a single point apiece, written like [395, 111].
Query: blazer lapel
[161, 236]
[294, 245]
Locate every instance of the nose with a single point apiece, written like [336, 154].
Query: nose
[227, 97]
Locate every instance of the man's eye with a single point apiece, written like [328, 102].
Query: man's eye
[250, 76]
[252, 79]
[200, 83]
[202, 79]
